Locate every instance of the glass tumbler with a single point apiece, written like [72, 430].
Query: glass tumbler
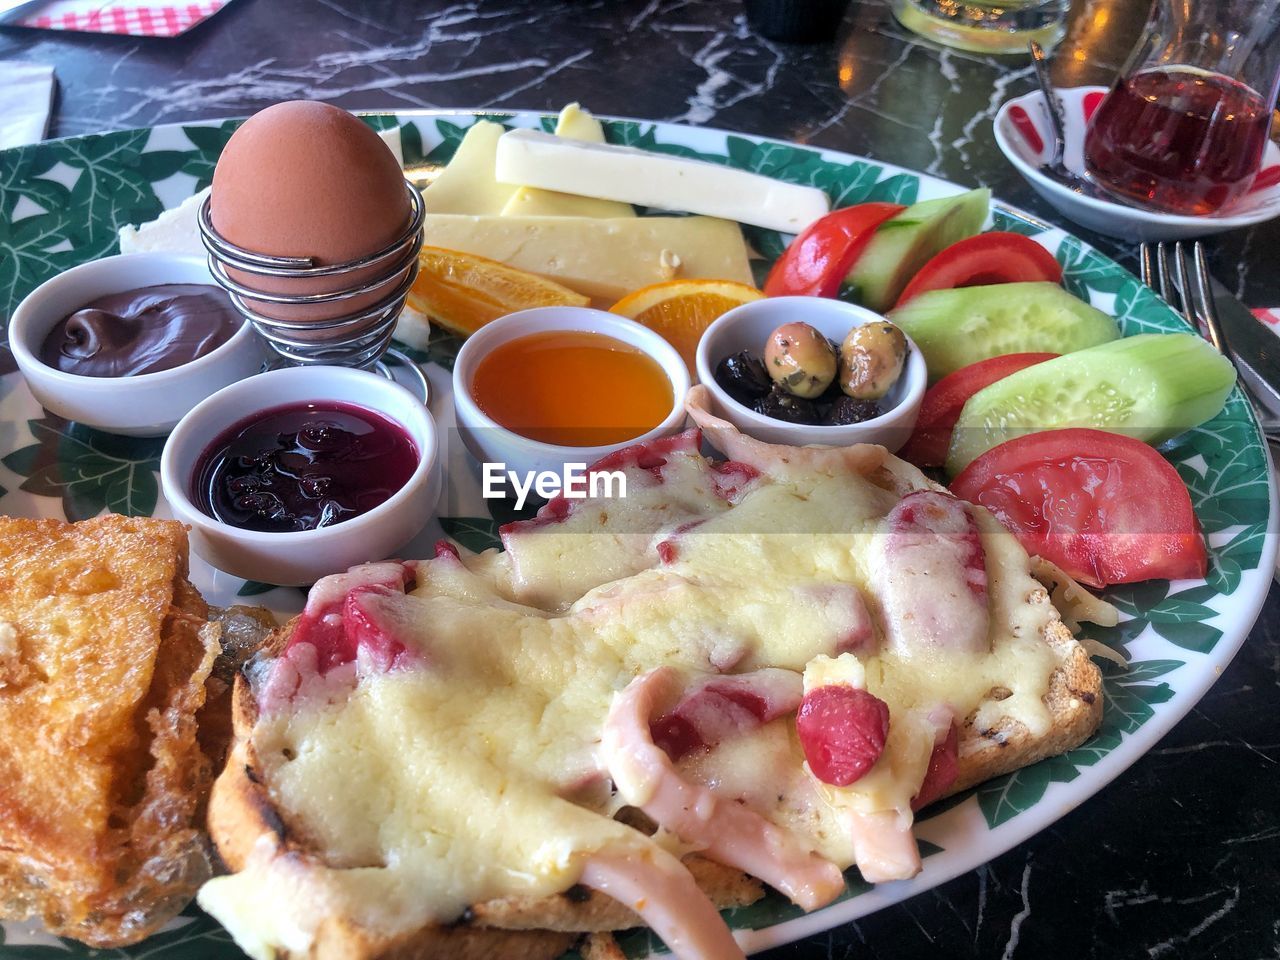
[1184, 127]
[985, 26]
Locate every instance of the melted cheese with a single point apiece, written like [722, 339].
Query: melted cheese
[605, 541]
[476, 773]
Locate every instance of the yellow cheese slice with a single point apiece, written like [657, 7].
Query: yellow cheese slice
[467, 184]
[602, 259]
[574, 123]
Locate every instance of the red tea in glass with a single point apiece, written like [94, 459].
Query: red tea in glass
[1178, 138]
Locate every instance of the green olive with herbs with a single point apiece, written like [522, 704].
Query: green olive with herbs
[800, 360]
[871, 360]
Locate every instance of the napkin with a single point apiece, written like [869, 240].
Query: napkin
[137, 18]
[26, 95]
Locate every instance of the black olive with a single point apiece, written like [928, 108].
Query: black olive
[743, 377]
[781, 405]
[829, 396]
[848, 410]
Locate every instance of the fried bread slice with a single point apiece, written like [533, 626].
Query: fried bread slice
[104, 653]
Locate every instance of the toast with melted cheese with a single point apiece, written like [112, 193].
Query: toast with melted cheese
[444, 758]
[104, 656]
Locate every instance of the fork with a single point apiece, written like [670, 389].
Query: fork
[1182, 281]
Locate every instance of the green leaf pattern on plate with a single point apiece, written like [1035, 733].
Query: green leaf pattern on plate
[192, 935]
[475, 533]
[89, 470]
[1000, 220]
[252, 588]
[62, 202]
[1129, 696]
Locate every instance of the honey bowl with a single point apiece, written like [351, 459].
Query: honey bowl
[542, 388]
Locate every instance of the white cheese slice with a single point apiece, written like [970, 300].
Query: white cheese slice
[574, 123]
[602, 259]
[414, 328]
[177, 230]
[609, 172]
[391, 138]
[467, 184]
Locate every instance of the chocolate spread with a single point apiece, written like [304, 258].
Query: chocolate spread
[142, 331]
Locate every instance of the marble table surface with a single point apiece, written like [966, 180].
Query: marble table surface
[1180, 857]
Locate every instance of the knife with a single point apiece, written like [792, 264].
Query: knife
[1254, 349]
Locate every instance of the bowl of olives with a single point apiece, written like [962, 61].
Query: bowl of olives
[809, 370]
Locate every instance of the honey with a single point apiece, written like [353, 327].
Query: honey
[572, 388]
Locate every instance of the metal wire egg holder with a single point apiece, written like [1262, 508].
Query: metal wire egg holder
[358, 339]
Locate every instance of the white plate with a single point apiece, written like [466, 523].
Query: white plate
[1179, 637]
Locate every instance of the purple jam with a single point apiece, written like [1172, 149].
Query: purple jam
[303, 466]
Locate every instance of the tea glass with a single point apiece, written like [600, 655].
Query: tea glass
[1184, 127]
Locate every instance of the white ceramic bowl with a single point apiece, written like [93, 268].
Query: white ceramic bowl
[489, 442]
[149, 404]
[748, 327]
[297, 559]
[1023, 133]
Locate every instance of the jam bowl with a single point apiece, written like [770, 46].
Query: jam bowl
[747, 328]
[617, 359]
[144, 404]
[242, 459]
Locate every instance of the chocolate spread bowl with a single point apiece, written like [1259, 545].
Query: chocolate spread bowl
[144, 404]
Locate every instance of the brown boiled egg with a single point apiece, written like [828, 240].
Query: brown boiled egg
[307, 179]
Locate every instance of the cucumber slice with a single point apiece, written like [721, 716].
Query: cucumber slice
[903, 245]
[954, 328]
[1151, 387]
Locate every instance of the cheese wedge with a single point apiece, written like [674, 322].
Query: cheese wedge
[467, 184]
[574, 123]
[609, 172]
[602, 259]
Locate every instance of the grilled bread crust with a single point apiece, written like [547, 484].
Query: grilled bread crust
[241, 811]
[103, 664]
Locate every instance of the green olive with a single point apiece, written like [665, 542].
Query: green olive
[871, 360]
[800, 360]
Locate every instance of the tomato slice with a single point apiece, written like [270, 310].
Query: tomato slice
[940, 409]
[819, 259]
[988, 258]
[842, 731]
[1104, 507]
